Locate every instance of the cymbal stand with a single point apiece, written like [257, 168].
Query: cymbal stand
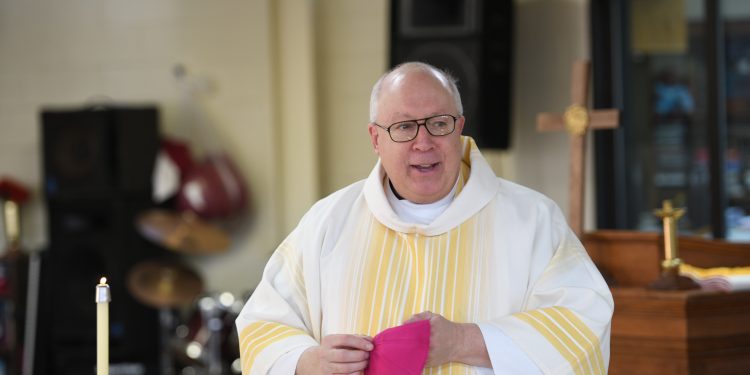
[211, 320]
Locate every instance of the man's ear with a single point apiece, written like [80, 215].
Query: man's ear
[374, 137]
[460, 122]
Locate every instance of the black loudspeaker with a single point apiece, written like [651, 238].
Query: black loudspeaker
[472, 40]
[97, 170]
[110, 150]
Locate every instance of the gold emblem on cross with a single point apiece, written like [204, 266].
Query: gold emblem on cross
[576, 119]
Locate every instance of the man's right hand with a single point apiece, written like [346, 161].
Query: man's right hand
[336, 354]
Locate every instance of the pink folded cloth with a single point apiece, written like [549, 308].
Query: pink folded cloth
[400, 350]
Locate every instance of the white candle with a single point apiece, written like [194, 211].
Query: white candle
[102, 327]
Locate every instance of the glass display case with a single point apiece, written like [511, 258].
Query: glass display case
[679, 71]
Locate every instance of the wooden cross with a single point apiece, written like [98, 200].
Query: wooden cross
[577, 119]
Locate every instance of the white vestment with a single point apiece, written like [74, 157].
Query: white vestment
[500, 255]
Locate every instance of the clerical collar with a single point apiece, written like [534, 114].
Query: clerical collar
[393, 190]
[416, 213]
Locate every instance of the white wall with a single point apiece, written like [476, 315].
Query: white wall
[352, 54]
[550, 36]
[291, 106]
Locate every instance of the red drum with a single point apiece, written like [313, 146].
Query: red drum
[213, 189]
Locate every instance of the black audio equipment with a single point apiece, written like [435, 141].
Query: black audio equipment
[97, 178]
[473, 41]
[98, 151]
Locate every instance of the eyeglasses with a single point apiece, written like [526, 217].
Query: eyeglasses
[405, 131]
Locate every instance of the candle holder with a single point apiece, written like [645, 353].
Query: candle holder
[670, 278]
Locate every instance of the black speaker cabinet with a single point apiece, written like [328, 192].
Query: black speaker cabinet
[97, 170]
[472, 40]
[98, 151]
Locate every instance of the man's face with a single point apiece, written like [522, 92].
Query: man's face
[424, 169]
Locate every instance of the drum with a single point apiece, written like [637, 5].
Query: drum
[206, 341]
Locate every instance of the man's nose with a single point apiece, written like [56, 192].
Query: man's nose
[423, 140]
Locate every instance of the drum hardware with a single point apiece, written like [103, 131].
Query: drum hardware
[166, 320]
[165, 285]
[182, 232]
[206, 343]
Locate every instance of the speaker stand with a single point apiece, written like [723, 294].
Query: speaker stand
[166, 323]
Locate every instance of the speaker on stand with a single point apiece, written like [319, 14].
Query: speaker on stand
[97, 175]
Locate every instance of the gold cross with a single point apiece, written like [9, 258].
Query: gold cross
[577, 120]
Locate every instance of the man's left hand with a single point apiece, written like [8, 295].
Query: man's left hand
[453, 342]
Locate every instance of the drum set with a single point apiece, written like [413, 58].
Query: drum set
[198, 334]
[197, 330]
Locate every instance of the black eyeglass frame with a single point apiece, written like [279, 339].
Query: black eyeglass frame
[419, 122]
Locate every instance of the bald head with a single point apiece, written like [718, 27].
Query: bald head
[397, 75]
[425, 168]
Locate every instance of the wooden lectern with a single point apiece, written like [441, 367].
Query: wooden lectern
[672, 332]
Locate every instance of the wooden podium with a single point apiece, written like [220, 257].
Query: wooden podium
[664, 332]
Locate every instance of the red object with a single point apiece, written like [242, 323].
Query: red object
[400, 350]
[213, 189]
[12, 190]
[179, 153]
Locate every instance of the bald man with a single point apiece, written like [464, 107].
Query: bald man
[432, 234]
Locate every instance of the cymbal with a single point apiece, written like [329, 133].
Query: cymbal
[182, 232]
[163, 283]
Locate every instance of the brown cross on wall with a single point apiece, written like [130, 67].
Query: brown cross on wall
[577, 120]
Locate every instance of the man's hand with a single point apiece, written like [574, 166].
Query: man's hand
[337, 354]
[453, 342]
